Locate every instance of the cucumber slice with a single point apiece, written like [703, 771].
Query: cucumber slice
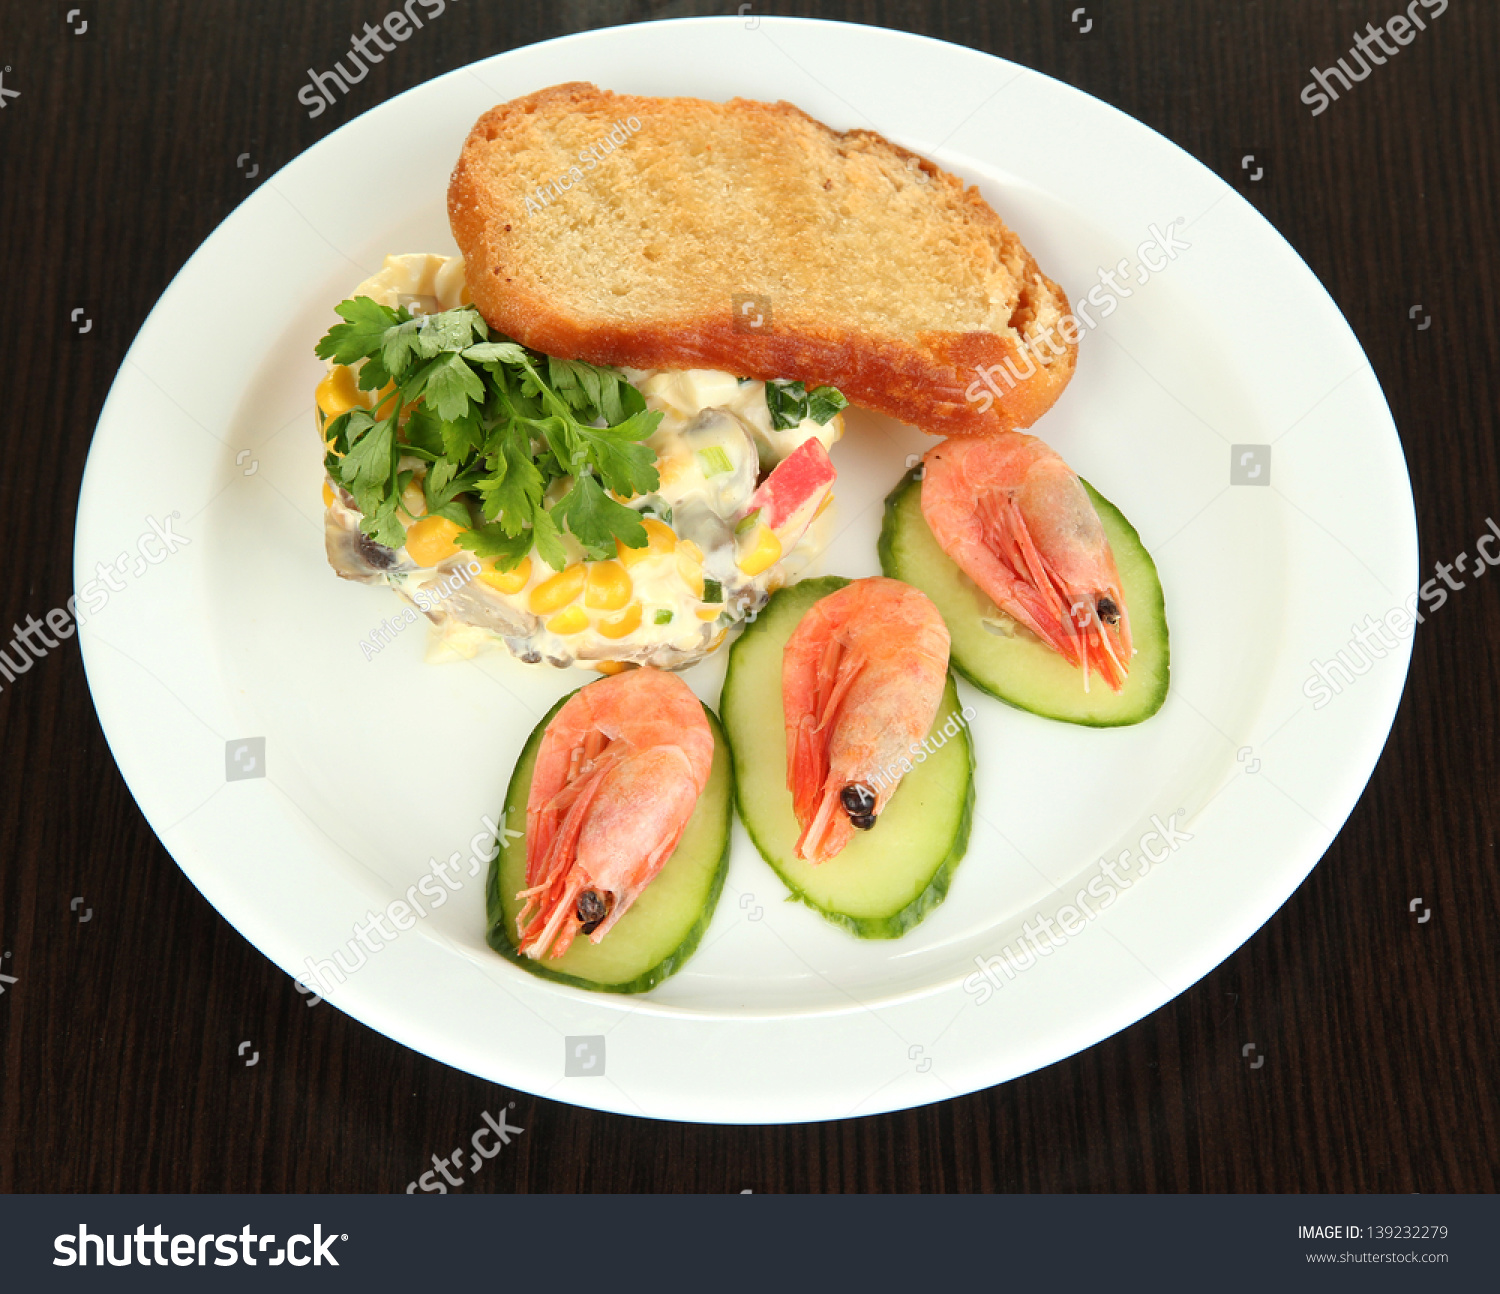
[663, 926]
[888, 878]
[1014, 665]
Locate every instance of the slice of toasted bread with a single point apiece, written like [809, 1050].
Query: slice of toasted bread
[747, 237]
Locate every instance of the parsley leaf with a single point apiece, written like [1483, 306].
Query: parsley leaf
[452, 386]
[495, 352]
[368, 464]
[490, 540]
[595, 519]
[579, 385]
[549, 544]
[381, 524]
[400, 345]
[424, 430]
[361, 335]
[493, 426]
[373, 374]
[461, 436]
[512, 490]
[627, 466]
[443, 490]
[451, 330]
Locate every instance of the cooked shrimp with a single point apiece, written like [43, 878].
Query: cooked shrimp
[1018, 521]
[861, 680]
[619, 772]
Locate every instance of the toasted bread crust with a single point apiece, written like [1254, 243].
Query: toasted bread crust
[769, 201]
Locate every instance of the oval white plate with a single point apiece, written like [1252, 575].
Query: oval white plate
[371, 767]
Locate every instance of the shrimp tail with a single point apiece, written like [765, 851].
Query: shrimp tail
[560, 898]
[815, 792]
[1040, 594]
[554, 879]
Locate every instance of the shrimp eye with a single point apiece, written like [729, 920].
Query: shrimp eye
[859, 802]
[864, 821]
[592, 909]
[1108, 611]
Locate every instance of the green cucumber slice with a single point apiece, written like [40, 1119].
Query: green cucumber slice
[1014, 665]
[663, 926]
[888, 878]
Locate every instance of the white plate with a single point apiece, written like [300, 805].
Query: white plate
[373, 766]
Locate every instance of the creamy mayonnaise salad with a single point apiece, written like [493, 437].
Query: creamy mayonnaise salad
[725, 528]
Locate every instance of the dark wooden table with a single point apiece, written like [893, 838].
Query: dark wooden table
[117, 1037]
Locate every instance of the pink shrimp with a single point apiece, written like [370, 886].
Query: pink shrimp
[861, 679]
[1018, 521]
[619, 772]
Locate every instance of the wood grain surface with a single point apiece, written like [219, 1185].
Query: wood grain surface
[118, 1036]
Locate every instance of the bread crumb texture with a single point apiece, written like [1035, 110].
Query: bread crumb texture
[629, 230]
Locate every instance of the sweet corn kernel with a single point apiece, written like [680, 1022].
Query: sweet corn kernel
[709, 613]
[763, 550]
[432, 540]
[412, 498]
[660, 539]
[555, 592]
[612, 666]
[571, 621]
[608, 587]
[627, 622]
[327, 495]
[508, 581]
[337, 393]
[671, 470]
[690, 566]
[692, 576]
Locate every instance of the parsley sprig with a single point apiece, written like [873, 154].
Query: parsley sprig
[497, 425]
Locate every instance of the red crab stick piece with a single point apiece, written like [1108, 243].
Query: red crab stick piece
[790, 497]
